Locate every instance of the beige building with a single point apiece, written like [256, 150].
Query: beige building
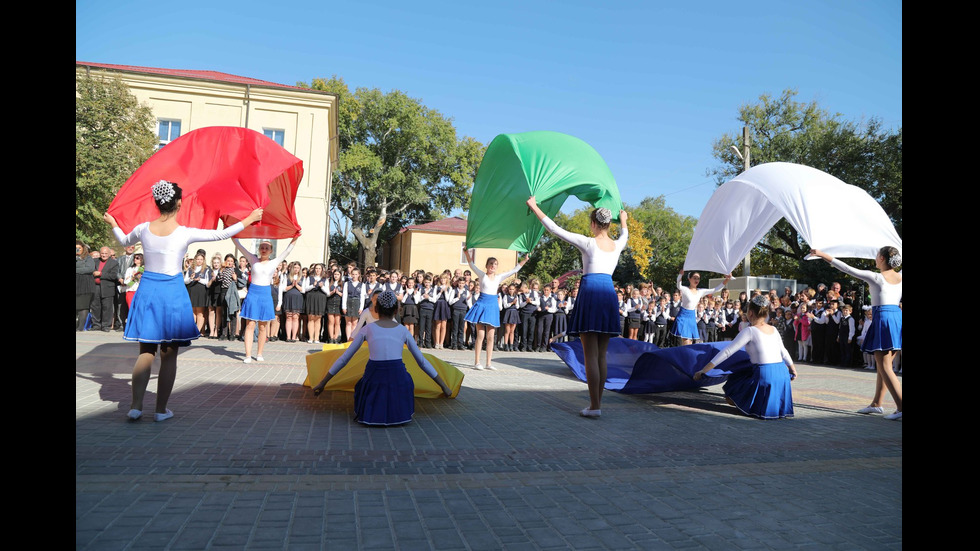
[437, 246]
[302, 121]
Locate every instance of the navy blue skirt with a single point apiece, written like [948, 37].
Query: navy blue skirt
[763, 391]
[485, 311]
[258, 304]
[161, 311]
[885, 332]
[686, 325]
[385, 395]
[442, 311]
[596, 308]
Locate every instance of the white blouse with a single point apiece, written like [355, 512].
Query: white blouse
[165, 254]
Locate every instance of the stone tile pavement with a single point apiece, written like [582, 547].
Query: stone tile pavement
[252, 461]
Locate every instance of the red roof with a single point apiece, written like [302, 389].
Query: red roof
[446, 225]
[189, 73]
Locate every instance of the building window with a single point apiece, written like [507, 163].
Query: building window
[462, 254]
[167, 131]
[276, 134]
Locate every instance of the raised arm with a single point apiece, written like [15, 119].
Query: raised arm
[470, 253]
[285, 253]
[252, 259]
[865, 275]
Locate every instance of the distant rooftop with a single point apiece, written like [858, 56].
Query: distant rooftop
[194, 74]
[446, 225]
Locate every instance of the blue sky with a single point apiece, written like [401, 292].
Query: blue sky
[650, 85]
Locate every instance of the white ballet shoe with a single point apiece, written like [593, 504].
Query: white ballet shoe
[163, 416]
[871, 409]
[591, 413]
[248, 359]
[259, 359]
[491, 367]
[894, 416]
[478, 367]
[134, 414]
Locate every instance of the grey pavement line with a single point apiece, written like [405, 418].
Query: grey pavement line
[307, 482]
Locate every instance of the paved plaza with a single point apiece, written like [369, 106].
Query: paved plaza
[252, 460]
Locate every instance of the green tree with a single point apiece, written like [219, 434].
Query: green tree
[399, 160]
[669, 234]
[113, 137]
[782, 129]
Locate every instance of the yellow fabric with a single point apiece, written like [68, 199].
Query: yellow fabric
[318, 363]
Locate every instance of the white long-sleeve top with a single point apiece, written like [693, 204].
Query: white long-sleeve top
[594, 259]
[360, 306]
[690, 299]
[882, 292]
[453, 296]
[130, 280]
[384, 343]
[200, 274]
[412, 293]
[312, 283]
[762, 348]
[262, 272]
[489, 284]
[165, 254]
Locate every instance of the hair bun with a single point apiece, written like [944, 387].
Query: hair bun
[603, 215]
[387, 299]
[163, 191]
[760, 301]
[895, 260]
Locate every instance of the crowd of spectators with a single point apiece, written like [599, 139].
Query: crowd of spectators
[823, 325]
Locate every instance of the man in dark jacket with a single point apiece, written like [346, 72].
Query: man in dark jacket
[106, 278]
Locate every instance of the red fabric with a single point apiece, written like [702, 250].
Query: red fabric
[225, 173]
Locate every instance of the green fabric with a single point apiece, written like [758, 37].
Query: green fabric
[549, 165]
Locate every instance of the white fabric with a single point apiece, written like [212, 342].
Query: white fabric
[594, 259]
[165, 254]
[837, 218]
[762, 348]
[384, 343]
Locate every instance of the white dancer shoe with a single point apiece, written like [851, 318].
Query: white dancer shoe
[478, 367]
[248, 359]
[259, 359]
[590, 413]
[897, 416]
[163, 416]
[491, 367]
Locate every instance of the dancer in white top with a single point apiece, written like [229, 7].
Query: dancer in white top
[884, 338]
[595, 318]
[258, 306]
[161, 314]
[765, 390]
[385, 394]
[485, 313]
[686, 324]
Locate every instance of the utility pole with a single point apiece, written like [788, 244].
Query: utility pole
[746, 142]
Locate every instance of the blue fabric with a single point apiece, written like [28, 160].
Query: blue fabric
[886, 329]
[686, 325]
[637, 367]
[258, 304]
[596, 307]
[161, 311]
[385, 395]
[763, 391]
[486, 310]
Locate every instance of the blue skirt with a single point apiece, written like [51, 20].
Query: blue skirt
[486, 311]
[596, 308]
[161, 311]
[442, 311]
[258, 304]
[885, 332]
[385, 395]
[763, 391]
[686, 325]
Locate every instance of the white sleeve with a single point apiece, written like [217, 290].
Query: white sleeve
[580, 242]
[187, 277]
[740, 341]
[285, 253]
[417, 354]
[132, 238]
[480, 274]
[505, 275]
[195, 235]
[864, 275]
[348, 354]
[252, 259]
